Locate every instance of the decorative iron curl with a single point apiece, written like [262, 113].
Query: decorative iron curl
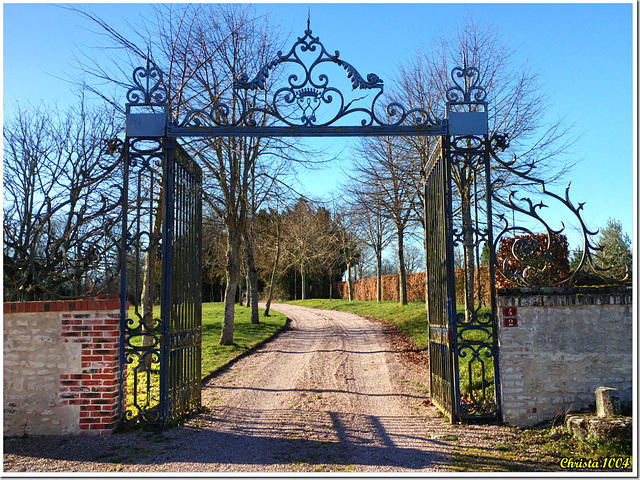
[470, 90]
[148, 87]
[534, 255]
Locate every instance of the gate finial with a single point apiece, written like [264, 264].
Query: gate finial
[308, 21]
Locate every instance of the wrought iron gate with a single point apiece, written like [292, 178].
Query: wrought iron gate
[160, 264]
[168, 347]
[180, 361]
[440, 280]
[463, 345]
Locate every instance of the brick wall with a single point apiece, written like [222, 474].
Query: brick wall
[566, 344]
[61, 366]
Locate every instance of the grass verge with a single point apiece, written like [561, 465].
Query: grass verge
[245, 334]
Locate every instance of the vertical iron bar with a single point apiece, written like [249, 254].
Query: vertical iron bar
[450, 281]
[123, 278]
[165, 303]
[492, 286]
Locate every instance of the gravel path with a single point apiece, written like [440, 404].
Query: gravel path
[336, 392]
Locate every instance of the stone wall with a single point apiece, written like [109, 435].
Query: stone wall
[61, 367]
[562, 345]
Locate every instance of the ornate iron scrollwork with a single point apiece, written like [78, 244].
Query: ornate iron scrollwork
[308, 99]
[148, 87]
[470, 90]
[530, 256]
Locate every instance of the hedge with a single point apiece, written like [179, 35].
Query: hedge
[531, 248]
[365, 288]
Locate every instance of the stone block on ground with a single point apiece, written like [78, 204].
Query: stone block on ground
[608, 402]
[586, 426]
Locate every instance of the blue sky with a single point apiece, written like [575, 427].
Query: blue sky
[583, 52]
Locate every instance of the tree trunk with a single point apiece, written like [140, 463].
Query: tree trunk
[378, 275]
[303, 281]
[350, 292]
[247, 302]
[273, 278]
[252, 279]
[233, 276]
[402, 275]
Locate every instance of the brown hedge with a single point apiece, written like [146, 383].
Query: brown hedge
[553, 273]
[365, 288]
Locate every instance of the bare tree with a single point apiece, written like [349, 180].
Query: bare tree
[60, 206]
[517, 107]
[213, 250]
[347, 238]
[374, 227]
[309, 240]
[381, 169]
[203, 49]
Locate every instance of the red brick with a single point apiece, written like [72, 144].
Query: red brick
[92, 358]
[106, 351]
[94, 321]
[113, 304]
[89, 420]
[110, 383]
[91, 408]
[102, 327]
[70, 321]
[105, 328]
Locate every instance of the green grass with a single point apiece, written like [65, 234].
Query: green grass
[245, 335]
[214, 356]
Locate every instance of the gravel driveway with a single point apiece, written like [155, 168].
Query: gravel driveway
[335, 393]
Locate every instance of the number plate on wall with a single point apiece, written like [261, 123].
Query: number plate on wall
[510, 316]
[510, 322]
